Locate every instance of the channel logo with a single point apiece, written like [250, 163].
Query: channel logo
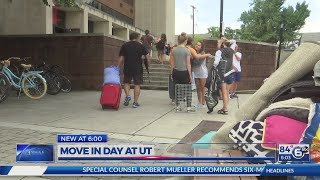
[294, 152]
[35, 153]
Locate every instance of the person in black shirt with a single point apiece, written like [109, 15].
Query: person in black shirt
[130, 57]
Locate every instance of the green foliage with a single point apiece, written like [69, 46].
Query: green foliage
[214, 31]
[197, 38]
[262, 22]
[228, 33]
[66, 3]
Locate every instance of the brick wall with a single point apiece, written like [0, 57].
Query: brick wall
[83, 56]
[258, 62]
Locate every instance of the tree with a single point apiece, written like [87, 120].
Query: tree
[214, 31]
[228, 32]
[262, 22]
[197, 38]
[67, 3]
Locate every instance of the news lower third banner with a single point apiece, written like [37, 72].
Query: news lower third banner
[266, 170]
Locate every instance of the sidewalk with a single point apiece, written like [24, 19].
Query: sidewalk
[80, 112]
[39, 121]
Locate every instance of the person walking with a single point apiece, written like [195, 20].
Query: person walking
[161, 48]
[130, 57]
[237, 75]
[225, 70]
[147, 40]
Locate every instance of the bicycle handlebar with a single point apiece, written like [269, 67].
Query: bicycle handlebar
[13, 58]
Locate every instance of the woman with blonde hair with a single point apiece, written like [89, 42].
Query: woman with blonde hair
[181, 68]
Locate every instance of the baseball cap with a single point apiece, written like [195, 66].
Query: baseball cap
[316, 75]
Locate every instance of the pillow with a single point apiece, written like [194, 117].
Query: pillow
[312, 133]
[281, 130]
[248, 135]
[205, 141]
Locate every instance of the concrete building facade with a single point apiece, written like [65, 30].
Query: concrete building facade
[158, 16]
[109, 17]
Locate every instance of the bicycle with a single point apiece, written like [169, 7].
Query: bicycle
[30, 82]
[52, 78]
[64, 82]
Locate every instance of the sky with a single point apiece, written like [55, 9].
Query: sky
[207, 14]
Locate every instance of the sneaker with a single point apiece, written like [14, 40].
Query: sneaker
[135, 105]
[127, 100]
[235, 96]
[173, 102]
[190, 109]
[199, 106]
[178, 109]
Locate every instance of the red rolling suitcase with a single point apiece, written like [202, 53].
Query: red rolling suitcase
[110, 96]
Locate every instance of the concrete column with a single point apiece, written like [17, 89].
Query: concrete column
[84, 24]
[104, 27]
[49, 25]
[110, 28]
[77, 20]
[121, 33]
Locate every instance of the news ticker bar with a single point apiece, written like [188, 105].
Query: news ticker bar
[267, 170]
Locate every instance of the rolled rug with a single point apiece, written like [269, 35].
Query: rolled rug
[296, 108]
[296, 66]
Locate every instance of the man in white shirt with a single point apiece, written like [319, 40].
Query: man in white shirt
[237, 74]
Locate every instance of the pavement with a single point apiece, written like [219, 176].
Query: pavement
[24, 120]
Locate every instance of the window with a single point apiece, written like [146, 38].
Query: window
[90, 26]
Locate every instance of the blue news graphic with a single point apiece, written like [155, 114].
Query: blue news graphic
[101, 151]
[34, 153]
[294, 152]
[82, 138]
[262, 170]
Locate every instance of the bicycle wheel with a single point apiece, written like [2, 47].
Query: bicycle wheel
[57, 69]
[65, 84]
[4, 87]
[53, 83]
[34, 86]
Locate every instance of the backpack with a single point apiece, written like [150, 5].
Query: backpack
[167, 50]
[146, 40]
[160, 44]
[225, 64]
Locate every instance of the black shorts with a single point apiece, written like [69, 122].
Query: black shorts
[137, 78]
[180, 77]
